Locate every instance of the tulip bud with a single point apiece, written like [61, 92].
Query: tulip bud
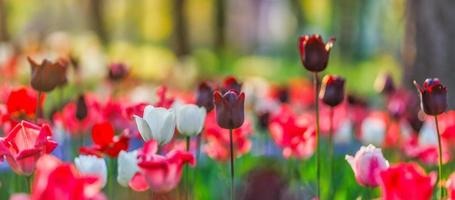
[47, 75]
[204, 96]
[229, 108]
[433, 96]
[127, 167]
[157, 124]
[81, 108]
[314, 53]
[93, 166]
[190, 119]
[332, 90]
[117, 71]
[367, 164]
[384, 84]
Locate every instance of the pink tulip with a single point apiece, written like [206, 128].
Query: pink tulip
[367, 163]
[24, 145]
[450, 186]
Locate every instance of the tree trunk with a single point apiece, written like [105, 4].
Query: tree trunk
[429, 49]
[180, 39]
[96, 19]
[4, 36]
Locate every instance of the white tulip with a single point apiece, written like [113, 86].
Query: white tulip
[157, 124]
[127, 167]
[344, 133]
[190, 119]
[92, 165]
[373, 131]
[428, 135]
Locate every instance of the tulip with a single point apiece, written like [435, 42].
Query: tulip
[433, 96]
[373, 130]
[204, 96]
[229, 109]
[157, 124]
[22, 102]
[332, 90]
[47, 75]
[406, 181]
[314, 53]
[24, 145]
[367, 163]
[450, 185]
[92, 166]
[81, 108]
[190, 119]
[127, 167]
[105, 142]
[384, 84]
[57, 180]
[433, 101]
[117, 71]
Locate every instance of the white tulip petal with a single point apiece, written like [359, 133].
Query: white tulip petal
[143, 128]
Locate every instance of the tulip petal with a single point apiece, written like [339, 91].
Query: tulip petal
[138, 183]
[143, 128]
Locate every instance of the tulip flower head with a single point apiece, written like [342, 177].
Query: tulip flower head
[47, 75]
[127, 167]
[204, 96]
[406, 181]
[81, 108]
[24, 145]
[117, 71]
[229, 108]
[367, 163]
[190, 119]
[157, 124]
[23, 102]
[314, 53]
[332, 90]
[92, 166]
[231, 83]
[384, 84]
[433, 96]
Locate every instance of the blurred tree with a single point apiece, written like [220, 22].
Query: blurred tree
[429, 45]
[3, 21]
[96, 20]
[220, 24]
[180, 37]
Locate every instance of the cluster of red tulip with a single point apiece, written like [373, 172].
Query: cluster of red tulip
[214, 119]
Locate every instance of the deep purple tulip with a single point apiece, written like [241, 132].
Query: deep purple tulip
[433, 96]
[81, 108]
[384, 84]
[204, 96]
[117, 71]
[332, 90]
[231, 83]
[314, 53]
[229, 109]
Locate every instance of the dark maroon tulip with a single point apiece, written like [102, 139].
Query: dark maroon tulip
[117, 71]
[81, 108]
[314, 53]
[433, 96]
[231, 83]
[204, 96]
[384, 84]
[229, 109]
[283, 94]
[332, 90]
[47, 75]
[263, 120]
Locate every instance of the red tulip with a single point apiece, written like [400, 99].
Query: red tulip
[217, 139]
[163, 100]
[314, 53]
[406, 181]
[229, 109]
[57, 180]
[105, 141]
[22, 102]
[294, 134]
[433, 96]
[24, 145]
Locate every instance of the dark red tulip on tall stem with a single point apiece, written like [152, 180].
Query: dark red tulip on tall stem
[314, 54]
[332, 94]
[230, 114]
[433, 101]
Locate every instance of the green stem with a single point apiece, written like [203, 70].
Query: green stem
[318, 156]
[38, 106]
[441, 189]
[187, 177]
[232, 164]
[331, 161]
[28, 181]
